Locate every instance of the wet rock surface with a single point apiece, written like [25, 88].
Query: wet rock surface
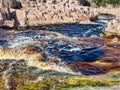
[73, 53]
[54, 56]
[40, 53]
[33, 54]
[47, 45]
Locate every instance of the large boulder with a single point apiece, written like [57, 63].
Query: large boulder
[21, 16]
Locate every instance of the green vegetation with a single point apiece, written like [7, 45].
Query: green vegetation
[115, 75]
[99, 2]
[103, 2]
[69, 82]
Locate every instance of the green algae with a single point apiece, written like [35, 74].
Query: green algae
[115, 75]
[69, 82]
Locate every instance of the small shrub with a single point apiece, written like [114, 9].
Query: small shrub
[100, 2]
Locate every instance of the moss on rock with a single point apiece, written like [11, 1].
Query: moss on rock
[57, 83]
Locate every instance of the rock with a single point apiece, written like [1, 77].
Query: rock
[21, 16]
[55, 60]
[113, 26]
[67, 11]
[112, 31]
[9, 23]
[115, 40]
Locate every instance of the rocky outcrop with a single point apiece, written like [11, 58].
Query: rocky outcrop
[43, 2]
[112, 31]
[51, 12]
[113, 27]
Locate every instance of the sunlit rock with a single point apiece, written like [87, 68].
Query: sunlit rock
[115, 40]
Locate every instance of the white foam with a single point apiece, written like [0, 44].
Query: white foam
[102, 21]
[20, 41]
[51, 66]
[72, 49]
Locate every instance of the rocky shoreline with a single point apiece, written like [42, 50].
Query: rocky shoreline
[68, 11]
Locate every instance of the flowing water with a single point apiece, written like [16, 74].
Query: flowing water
[67, 50]
[79, 30]
[75, 29]
[53, 50]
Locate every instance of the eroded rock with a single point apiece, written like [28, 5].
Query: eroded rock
[49, 13]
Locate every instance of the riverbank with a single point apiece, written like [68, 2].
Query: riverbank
[58, 13]
[68, 11]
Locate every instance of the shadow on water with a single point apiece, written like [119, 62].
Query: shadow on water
[77, 29]
[71, 53]
[72, 29]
